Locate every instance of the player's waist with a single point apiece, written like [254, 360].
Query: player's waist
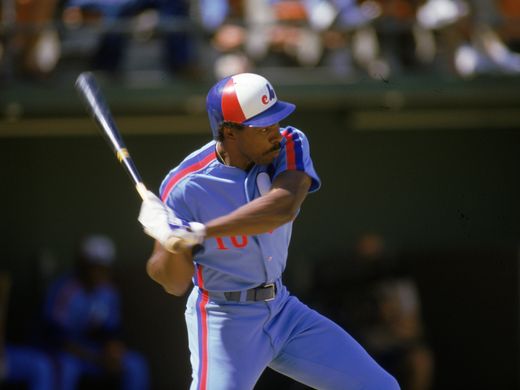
[264, 292]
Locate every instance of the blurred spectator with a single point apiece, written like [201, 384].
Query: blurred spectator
[466, 36]
[399, 40]
[249, 33]
[33, 46]
[168, 18]
[21, 365]
[82, 313]
[287, 34]
[509, 27]
[371, 295]
[349, 36]
[225, 28]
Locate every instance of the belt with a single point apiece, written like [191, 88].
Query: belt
[264, 292]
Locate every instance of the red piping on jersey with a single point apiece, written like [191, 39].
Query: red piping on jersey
[203, 373]
[185, 172]
[289, 148]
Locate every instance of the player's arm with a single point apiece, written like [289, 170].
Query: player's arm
[279, 206]
[171, 267]
[173, 271]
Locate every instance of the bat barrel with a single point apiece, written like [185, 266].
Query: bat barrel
[91, 94]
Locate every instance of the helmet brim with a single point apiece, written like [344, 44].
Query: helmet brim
[277, 112]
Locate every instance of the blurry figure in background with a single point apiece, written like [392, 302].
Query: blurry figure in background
[82, 313]
[246, 33]
[300, 32]
[225, 28]
[509, 28]
[348, 34]
[490, 17]
[399, 46]
[396, 335]
[168, 18]
[371, 295]
[22, 365]
[466, 37]
[33, 48]
[290, 38]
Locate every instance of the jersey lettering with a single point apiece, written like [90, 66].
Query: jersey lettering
[220, 243]
[234, 241]
[236, 244]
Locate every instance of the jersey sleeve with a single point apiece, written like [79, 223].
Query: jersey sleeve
[175, 198]
[295, 155]
[178, 182]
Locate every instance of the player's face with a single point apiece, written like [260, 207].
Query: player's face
[260, 145]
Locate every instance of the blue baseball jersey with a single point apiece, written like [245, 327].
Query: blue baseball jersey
[202, 188]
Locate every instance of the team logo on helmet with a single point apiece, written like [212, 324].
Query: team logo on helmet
[265, 98]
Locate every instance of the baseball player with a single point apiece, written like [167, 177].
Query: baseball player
[234, 201]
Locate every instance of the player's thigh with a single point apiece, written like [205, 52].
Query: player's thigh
[324, 356]
[229, 349]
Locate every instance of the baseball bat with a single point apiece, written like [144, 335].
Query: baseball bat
[92, 96]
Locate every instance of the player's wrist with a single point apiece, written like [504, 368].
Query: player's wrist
[184, 237]
[199, 229]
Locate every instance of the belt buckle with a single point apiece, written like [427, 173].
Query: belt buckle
[270, 285]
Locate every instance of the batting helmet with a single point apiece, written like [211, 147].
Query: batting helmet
[246, 98]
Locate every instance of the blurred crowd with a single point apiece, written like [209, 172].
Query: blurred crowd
[215, 38]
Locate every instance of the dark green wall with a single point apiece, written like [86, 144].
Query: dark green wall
[420, 189]
[428, 192]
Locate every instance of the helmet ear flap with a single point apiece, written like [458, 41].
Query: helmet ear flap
[214, 106]
[215, 121]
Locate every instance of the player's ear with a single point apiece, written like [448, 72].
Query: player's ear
[228, 132]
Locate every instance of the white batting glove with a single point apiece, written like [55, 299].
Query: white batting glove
[160, 222]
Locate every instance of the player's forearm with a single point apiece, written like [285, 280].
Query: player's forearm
[172, 271]
[263, 214]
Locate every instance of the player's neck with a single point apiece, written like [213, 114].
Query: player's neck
[227, 155]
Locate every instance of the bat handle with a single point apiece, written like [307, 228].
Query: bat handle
[141, 189]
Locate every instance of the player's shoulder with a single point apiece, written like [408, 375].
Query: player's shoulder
[291, 137]
[291, 132]
[196, 162]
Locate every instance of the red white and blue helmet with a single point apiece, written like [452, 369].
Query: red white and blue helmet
[247, 99]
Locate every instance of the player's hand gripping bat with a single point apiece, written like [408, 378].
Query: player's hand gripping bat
[91, 94]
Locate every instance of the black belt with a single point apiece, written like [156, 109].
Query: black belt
[265, 292]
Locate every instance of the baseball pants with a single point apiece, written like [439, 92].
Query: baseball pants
[231, 343]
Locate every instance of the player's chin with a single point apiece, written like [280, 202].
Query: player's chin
[273, 153]
[269, 157]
